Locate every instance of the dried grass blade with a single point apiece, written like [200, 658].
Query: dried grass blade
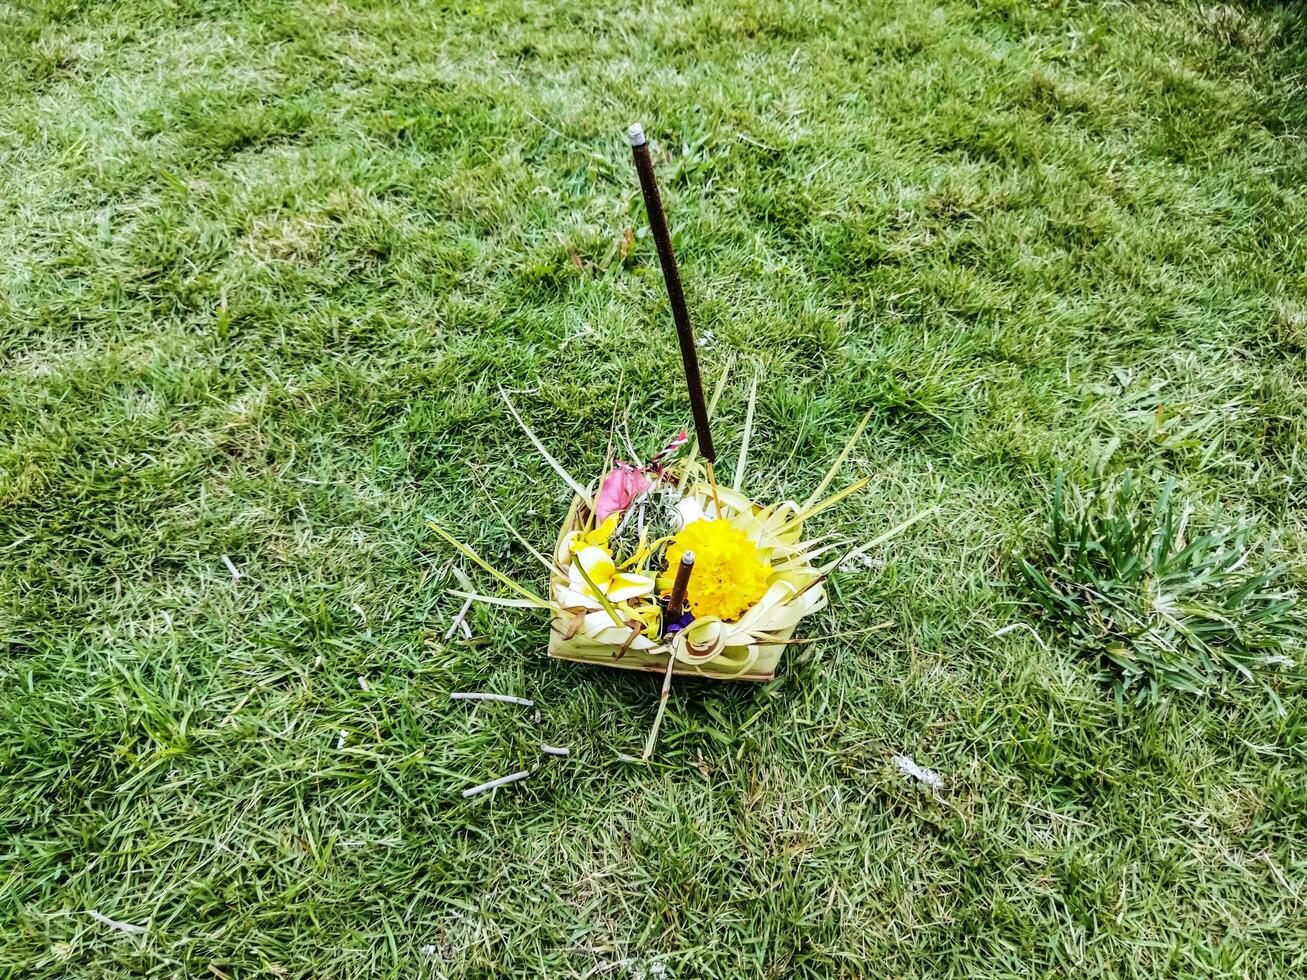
[473, 556]
[567, 478]
[879, 540]
[495, 600]
[550, 566]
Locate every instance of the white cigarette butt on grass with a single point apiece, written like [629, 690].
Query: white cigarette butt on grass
[927, 777]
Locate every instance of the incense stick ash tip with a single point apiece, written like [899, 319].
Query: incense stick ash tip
[637, 135]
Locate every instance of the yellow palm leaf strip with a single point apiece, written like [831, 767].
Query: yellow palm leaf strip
[738, 480]
[826, 504]
[652, 738]
[808, 557]
[603, 599]
[473, 556]
[567, 478]
[644, 551]
[801, 550]
[840, 460]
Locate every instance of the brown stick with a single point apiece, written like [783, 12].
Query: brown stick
[676, 599]
[653, 206]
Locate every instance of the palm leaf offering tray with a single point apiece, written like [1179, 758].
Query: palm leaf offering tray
[657, 567]
[752, 577]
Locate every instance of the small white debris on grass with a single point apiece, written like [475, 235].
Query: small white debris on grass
[862, 563]
[706, 339]
[512, 777]
[554, 750]
[928, 777]
[1021, 626]
[478, 696]
[362, 615]
[236, 573]
[344, 737]
[115, 924]
[363, 683]
[429, 949]
[460, 623]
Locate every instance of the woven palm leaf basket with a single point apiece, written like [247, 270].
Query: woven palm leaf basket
[747, 648]
[611, 569]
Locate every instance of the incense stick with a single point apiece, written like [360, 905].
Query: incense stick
[676, 598]
[653, 206]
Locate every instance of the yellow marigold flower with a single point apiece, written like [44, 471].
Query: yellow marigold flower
[730, 571]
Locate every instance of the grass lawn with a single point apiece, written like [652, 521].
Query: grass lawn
[263, 266]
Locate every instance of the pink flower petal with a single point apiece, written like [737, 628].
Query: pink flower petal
[620, 487]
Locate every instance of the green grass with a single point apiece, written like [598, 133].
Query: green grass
[1166, 598]
[262, 267]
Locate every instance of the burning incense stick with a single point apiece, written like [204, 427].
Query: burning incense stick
[653, 206]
